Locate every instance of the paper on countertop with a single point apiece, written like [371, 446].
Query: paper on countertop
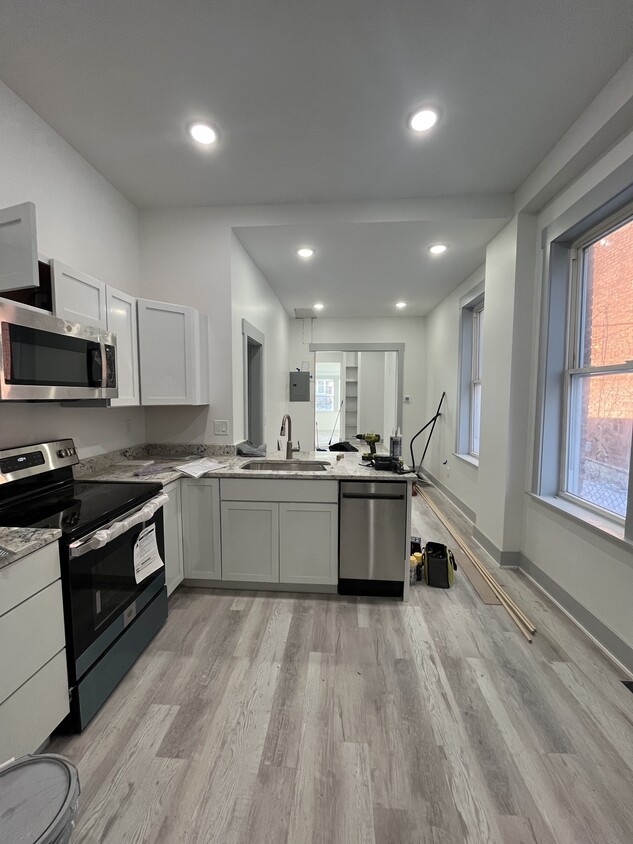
[198, 468]
[146, 556]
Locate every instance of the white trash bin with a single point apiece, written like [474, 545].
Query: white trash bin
[38, 800]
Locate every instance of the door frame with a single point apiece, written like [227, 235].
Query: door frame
[371, 347]
[253, 335]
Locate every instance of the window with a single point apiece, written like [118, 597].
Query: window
[472, 338]
[598, 388]
[475, 379]
[324, 395]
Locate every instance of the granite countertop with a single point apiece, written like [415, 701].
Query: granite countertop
[349, 467]
[21, 541]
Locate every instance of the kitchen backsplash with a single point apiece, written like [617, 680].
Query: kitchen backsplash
[98, 464]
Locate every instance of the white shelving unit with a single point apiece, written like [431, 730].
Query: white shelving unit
[351, 394]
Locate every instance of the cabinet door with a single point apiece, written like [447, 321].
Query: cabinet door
[78, 297]
[122, 321]
[250, 541]
[172, 516]
[18, 248]
[308, 543]
[201, 528]
[166, 352]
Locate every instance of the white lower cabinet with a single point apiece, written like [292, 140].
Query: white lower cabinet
[266, 539]
[201, 528]
[33, 677]
[250, 541]
[172, 516]
[308, 543]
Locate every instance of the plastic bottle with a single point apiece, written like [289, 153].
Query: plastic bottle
[395, 445]
[412, 569]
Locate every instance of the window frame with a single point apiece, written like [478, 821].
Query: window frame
[562, 241]
[475, 372]
[468, 304]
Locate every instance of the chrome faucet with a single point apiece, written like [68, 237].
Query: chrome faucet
[286, 431]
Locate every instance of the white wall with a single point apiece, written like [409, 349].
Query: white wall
[252, 299]
[85, 222]
[407, 330]
[594, 571]
[442, 356]
[186, 258]
[371, 393]
[510, 259]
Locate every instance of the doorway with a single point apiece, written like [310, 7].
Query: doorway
[253, 347]
[358, 389]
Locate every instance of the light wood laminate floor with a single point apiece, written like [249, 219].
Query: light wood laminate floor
[267, 717]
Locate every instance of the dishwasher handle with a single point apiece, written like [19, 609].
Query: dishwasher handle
[373, 496]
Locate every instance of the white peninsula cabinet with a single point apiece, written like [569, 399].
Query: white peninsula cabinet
[201, 528]
[280, 531]
[173, 353]
[33, 677]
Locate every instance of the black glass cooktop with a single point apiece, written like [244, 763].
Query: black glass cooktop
[77, 507]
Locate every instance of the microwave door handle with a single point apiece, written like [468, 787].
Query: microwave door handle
[102, 537]
[96, 367]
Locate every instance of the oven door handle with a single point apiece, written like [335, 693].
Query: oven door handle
[102, 537]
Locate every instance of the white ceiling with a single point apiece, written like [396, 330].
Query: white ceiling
[311, 99]
[365, 268]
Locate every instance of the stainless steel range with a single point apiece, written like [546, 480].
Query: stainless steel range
[112, 606]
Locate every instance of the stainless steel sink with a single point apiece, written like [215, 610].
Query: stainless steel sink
[286, 466]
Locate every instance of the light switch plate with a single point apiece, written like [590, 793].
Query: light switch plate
[221, 427]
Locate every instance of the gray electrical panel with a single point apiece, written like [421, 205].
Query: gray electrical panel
[299, 386]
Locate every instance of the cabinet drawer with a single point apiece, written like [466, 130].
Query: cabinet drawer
[31, 714]
[31, 634]
[25, 577]
[261, 489]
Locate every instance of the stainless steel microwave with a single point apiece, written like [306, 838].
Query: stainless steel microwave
[44, 358]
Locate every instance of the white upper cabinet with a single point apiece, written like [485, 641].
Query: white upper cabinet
[121, 320]
[18, 248]
[173, 352]
[78, 297]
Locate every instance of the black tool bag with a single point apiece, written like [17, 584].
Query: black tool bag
[439, 565]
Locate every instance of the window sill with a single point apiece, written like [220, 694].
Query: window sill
[592, 521]
[467, 458]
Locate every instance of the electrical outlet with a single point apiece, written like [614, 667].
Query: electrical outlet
[221, 428]
[128, 427]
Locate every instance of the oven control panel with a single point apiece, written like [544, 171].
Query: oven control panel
[17, 463]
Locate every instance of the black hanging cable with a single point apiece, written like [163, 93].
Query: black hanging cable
[432, 422]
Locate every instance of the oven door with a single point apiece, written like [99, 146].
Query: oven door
[44, 358]
[102, 596]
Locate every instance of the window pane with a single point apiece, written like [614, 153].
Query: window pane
[600, 430]
[480, 342]
[607, 336]
[475, 417]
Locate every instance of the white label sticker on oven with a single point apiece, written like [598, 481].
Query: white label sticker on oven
[146, 556]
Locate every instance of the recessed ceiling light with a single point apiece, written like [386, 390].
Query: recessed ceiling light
[305, 252]
[401, 304]
[203, 133]
[437, 248]
[423, 120]
[318, 306]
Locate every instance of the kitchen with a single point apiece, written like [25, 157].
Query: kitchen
[214, 258]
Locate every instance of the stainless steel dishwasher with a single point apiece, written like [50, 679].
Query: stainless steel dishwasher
[373, 541]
